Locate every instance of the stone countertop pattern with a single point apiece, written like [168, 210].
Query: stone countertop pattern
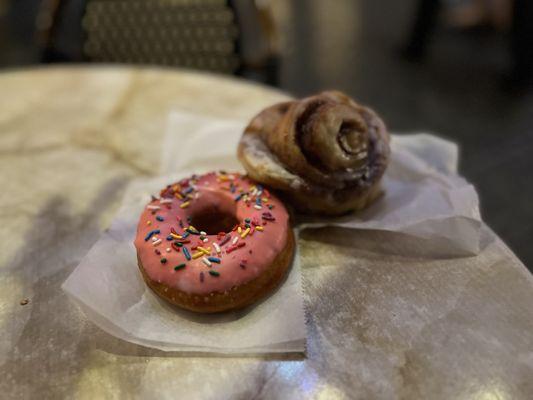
[392, 322]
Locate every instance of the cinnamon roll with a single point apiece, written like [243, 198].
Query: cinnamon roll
[326, 153]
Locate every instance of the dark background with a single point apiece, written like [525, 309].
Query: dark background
[463, 89]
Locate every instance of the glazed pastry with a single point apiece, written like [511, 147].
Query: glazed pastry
[214, 242]
[326, 153]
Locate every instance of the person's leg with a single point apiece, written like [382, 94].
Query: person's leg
[424, 24]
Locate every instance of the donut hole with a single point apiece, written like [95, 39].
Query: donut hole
[213, 221]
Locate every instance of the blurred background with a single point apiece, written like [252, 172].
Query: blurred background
[462, 69]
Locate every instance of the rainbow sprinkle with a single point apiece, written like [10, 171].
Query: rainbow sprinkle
[204, 250]
[187, 254]
[151, 233]
[225, 240]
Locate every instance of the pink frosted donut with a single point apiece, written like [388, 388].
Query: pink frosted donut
[214, 242]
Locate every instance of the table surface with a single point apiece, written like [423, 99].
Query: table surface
[393, 322]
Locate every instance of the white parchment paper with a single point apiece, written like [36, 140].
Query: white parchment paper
[109, 288]
[423, 196]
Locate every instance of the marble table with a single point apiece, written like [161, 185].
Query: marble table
[394, 322]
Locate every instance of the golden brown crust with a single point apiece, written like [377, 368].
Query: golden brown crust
[237, 298]
[325, 153]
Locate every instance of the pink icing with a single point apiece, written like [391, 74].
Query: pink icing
[240, 265]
